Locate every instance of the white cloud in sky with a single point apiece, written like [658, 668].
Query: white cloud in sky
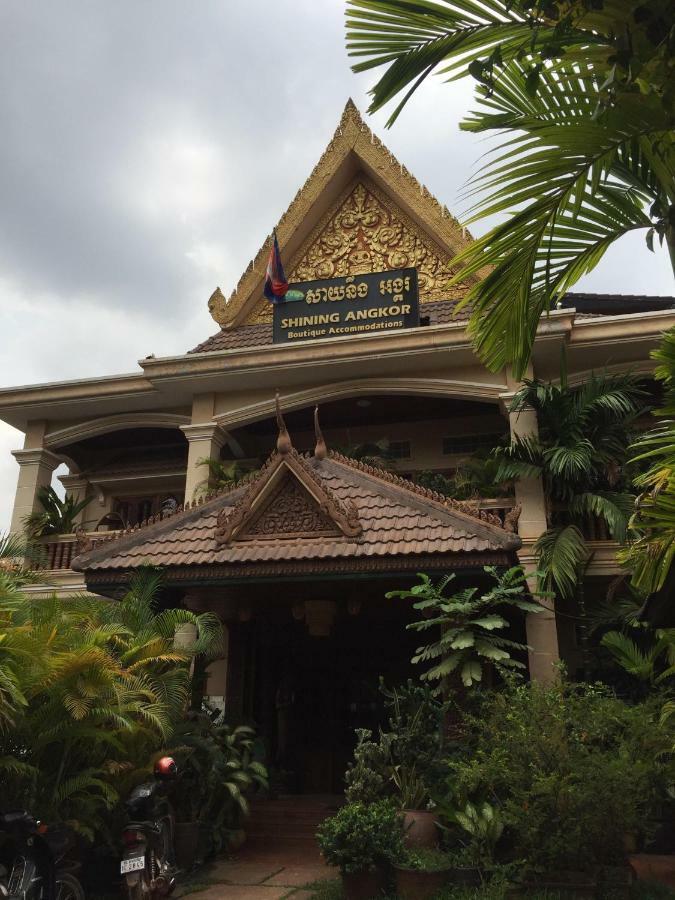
[148, 149]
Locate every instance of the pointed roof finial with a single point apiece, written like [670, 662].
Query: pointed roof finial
[284, 444]
[320, 450]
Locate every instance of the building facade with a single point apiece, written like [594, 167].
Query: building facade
[297, 558]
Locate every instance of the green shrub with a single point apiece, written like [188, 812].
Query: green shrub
[408, 751]
[91, 692]
[571, 769]
[362, 836]
[367, 778]
[425, 859]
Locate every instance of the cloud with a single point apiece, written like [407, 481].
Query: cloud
[149, 148]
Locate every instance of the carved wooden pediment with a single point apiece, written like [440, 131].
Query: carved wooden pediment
[289, 512]
[288, 501]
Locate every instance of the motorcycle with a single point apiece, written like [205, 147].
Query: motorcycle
[34, 860]
[148, 864]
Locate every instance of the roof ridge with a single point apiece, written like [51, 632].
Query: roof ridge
[468, 507]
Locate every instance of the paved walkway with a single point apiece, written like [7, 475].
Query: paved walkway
[260, 874]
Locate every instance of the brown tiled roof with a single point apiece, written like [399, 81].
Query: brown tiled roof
[441, 312]
[396, 520]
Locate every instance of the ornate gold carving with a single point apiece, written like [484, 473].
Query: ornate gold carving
[217, 305]
[365, 232]
[351, 137]
[289, 513]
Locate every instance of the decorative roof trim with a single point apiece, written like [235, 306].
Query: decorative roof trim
[320, 448]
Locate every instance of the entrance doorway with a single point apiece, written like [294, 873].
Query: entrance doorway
[307, 695]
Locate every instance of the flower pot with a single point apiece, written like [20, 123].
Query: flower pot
[654, 867]
[418, 884]
[630, 842]
[420, 828]
[364, 885]
[186, 844]
[236, 838]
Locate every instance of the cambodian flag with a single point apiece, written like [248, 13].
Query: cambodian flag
[275, 278]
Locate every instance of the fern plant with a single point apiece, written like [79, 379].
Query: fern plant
[470, 623]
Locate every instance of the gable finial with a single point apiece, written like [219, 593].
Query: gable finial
[284, 444]
[320, 450]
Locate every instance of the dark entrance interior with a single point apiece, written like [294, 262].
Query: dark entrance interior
[307, 694]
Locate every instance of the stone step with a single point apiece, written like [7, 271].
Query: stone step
[289, 819]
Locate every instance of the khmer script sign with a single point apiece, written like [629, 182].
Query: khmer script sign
[355, 304]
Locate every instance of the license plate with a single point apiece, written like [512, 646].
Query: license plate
[132, 864]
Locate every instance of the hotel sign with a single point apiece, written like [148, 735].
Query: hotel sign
[355, 304]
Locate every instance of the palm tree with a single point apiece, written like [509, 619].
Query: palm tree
[651, 557]
[474, 478]
[580, 455]
[94, 686]
[583, 96]
[57, 517]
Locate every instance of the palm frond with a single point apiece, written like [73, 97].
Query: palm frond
[562, 555]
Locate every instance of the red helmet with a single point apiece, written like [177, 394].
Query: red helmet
[166, 767]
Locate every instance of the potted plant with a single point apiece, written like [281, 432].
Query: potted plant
[421, 873]
[216, 772]
[483, 829]
[419, 822]
[362, 840]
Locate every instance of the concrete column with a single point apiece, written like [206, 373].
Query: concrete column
[76, 486]
[529, 491]
[36, 468]
[205, 440]
[216, 675]
[541, 628]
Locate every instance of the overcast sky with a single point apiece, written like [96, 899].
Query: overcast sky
[148, 147]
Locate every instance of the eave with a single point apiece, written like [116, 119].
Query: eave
[173, 380]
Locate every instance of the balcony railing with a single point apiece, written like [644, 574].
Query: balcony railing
[58, 550]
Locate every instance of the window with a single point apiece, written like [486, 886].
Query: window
[469, 443]
[399, 449]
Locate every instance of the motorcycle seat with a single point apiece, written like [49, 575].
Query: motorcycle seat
[17, 820]
[141, 797]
